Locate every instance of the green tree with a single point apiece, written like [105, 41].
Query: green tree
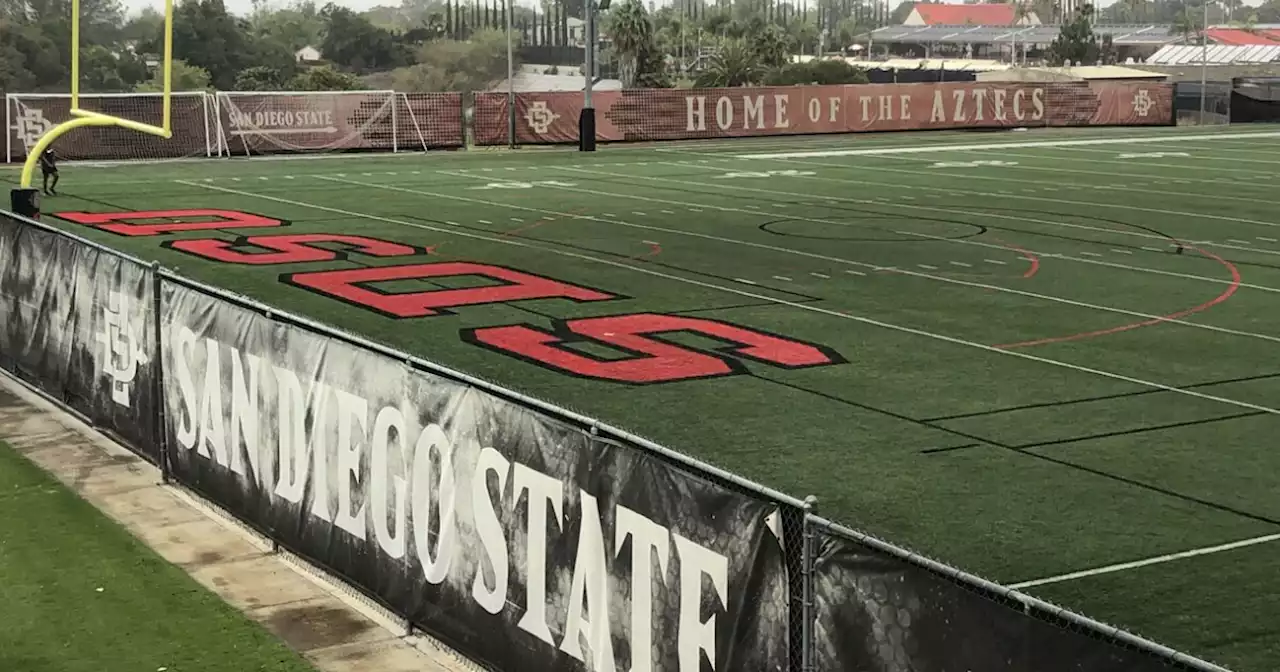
[325, 78]
[846, 33]
[773, 47]
[1186, 24]
[268, 50]
[260, 78]
[206, 36]
[184, 78]
[143, 28]
[826, 71]
[734, 63]
[1076, 42]
[295, 26]
[103, 70]
[635, 43]
[29, 61]
[100, 20]
[350, 40]
[1269, 12]
[454, 65]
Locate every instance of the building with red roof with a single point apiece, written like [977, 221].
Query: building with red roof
[989, 14]
[1240, 37]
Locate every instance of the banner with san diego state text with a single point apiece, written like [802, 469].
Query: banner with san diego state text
[78, 322]
[519, 540]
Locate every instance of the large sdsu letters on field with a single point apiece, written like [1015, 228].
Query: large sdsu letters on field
[519, 540]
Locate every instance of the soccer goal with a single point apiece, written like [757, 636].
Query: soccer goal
[273, 122]
[192, 120]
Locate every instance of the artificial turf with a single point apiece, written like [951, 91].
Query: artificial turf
[1024, 394]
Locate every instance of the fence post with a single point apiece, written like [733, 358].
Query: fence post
[806, 580]
[157, 383]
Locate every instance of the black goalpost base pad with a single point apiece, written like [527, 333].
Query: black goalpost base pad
[25, 202]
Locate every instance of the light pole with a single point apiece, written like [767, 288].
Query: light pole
[587, 119]
[1204, 58]
[511, 79]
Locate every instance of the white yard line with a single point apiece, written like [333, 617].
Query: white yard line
[1248, 173]
[920, 149]
[1057, 184]
[831, 201]
[1092, 204]
[1139, 269]
[1190, 159]
[1160, 559]
[709, 285]
[1110, 264]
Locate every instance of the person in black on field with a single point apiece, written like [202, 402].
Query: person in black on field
[49, 166]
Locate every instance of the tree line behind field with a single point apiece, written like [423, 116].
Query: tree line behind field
[449, 45]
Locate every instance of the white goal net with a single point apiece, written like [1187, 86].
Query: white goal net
[239, 124]
[323, 121]
[29, 116]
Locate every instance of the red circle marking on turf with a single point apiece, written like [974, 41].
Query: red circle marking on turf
[1235, 285]
[1026, 254]
[654, 250]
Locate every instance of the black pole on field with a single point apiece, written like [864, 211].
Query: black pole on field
[25, 202]
[587, 118]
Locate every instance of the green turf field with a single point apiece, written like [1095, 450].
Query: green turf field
[1059, 359]
[80, 594]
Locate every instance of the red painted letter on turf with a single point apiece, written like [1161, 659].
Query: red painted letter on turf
[349, 286]
[123, 223]
[652, 360]
[288, 249]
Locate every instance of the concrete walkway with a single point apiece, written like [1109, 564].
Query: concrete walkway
[330, 624]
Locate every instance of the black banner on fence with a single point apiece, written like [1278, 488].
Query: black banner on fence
[876, 612]
[79, 323]
[521, 541]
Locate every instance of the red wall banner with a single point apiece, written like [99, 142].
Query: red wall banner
[683, 114]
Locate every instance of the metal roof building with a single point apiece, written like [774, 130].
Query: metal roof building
[1121, 35]
[1216, 55]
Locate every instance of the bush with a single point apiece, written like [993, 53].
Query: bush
[830, 71]
[453, 65]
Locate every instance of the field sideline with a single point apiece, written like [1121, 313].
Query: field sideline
[1045, 358]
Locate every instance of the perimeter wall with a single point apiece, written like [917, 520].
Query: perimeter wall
[246, 124]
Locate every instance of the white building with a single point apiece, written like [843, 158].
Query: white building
[307, 54]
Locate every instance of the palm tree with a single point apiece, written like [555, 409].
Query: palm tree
[734, 63]
[632, 33]
[1231, 6]
[1184, 24]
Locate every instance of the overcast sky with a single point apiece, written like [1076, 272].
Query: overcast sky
[243, 6]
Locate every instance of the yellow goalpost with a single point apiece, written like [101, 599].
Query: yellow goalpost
[82, 118]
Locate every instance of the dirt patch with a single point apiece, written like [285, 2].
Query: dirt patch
[206, 558]
[305, 628]
[8, 400]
